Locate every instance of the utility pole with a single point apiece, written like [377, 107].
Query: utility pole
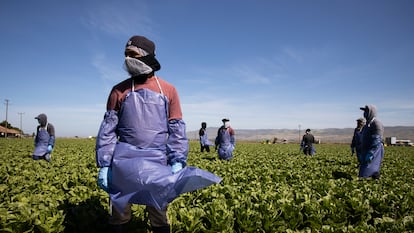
[7, 112]
[21, 127]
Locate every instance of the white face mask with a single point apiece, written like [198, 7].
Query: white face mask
[226, 124]
[136, 67]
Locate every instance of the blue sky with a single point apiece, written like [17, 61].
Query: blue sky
[263, 64]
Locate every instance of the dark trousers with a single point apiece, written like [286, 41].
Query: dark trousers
[207, 148]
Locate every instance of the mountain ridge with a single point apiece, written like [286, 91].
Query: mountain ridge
[327, 135]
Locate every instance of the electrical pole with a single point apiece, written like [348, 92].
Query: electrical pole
[21, 127]
[7, 112]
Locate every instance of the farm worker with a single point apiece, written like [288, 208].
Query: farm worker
[141, 146]
[372, 149]
[357, 137]
[44, 139]
[204, 142]
[225, 141]
[307, 143]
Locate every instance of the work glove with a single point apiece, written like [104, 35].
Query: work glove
[175, 167]
[368, 158]
[49, 149]
[105, 178]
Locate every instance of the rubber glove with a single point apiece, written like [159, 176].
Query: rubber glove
[105, 178]
[176, 167]
[49, 149]
[369, 157]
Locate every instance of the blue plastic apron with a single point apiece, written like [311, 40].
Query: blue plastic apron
[140, 173]
[225, 151]
[42, 142]
[372, 152]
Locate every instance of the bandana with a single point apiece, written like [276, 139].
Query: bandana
[135, 67]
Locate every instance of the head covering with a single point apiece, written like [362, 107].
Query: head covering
[308, 130]
[143, 43]
[370, 112]
[361, 119]
[148, 46]
[42, 118]
[225, 119]
[365, 108]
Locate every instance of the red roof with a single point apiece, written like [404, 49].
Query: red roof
[9, 131]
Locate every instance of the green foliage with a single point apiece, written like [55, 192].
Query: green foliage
[265, 188]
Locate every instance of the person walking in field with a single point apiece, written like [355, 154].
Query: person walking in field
[372, 149]
[141, 146]
[204, 142]
[44, 139]
[225, 141]
[307, 143]
[357, 137]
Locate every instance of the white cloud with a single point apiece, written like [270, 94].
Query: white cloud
[120, 18]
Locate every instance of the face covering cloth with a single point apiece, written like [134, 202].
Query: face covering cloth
[136, 67]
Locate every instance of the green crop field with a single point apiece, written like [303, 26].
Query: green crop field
[265, 188]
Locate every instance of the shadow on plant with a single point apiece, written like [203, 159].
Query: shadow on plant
[341, 175]
[90, 216]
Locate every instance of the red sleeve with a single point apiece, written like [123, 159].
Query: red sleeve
[175, 106]
[117, 95]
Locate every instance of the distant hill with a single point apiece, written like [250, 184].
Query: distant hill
[329, 135]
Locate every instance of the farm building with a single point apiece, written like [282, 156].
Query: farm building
[9, 132]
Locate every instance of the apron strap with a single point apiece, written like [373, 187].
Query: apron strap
[159, 86]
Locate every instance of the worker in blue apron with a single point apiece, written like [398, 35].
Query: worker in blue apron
[141, 147]
[44, 139]
[372, 148]
[225, 140]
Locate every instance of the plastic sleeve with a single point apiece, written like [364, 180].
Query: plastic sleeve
[177, 142]
[106, 139]
[375, 143]
[52, 141]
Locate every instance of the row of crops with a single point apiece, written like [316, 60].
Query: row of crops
[265, 188]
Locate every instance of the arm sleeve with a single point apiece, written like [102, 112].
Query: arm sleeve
[375, 143]
[232, 137]
[51, 131]
[177, 143]
[106, 139]
[218, 138]
[36, 137]
[52, 141]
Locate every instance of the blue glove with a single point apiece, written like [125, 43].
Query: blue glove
[176, 167]
[105, 178]
[49, 149]
[369, 157]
